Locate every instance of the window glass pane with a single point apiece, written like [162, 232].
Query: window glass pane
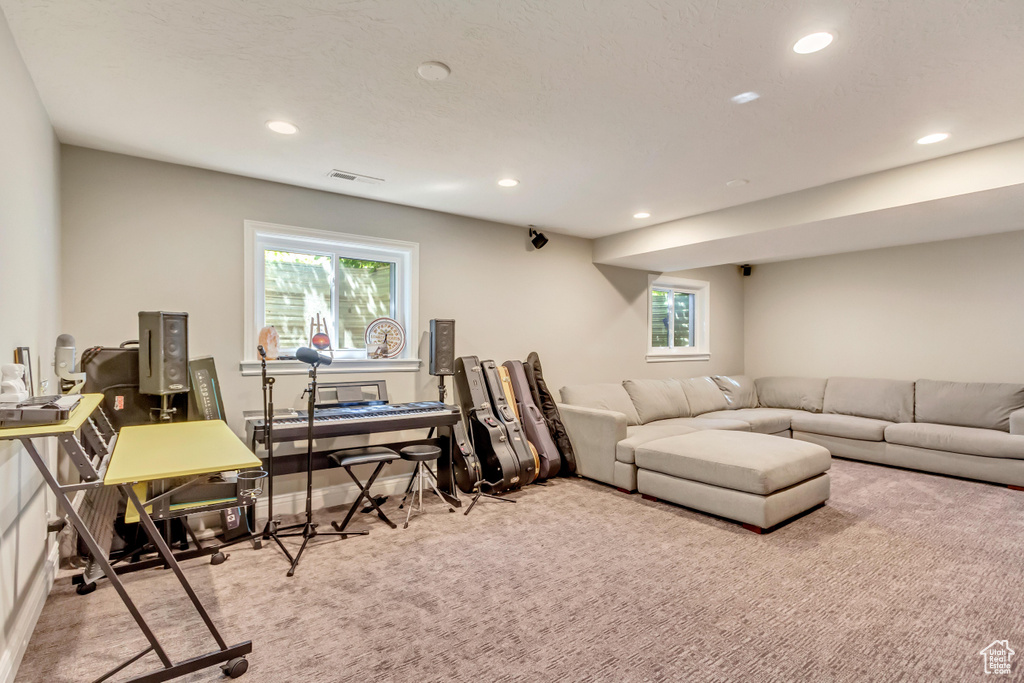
[682, 318]
[659, 318]
[364, 293]
[297, 286]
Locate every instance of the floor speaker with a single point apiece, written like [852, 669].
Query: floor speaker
[442, 347]
[163, 353]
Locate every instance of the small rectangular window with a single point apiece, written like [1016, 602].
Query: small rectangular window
[678, 316]
[297, 274]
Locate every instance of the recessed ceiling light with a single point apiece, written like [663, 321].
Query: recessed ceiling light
[282, 127]
[813, 43]
[934, 137]
[737, 182]
[433, 71]
[508, 182]
[744, 97]
[641, 214]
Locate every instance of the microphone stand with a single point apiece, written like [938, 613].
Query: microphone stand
[309, 527]
[271, 528]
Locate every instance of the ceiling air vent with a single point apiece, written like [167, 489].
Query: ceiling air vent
[345, 175]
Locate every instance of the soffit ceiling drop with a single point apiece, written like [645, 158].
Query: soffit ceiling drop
[600, 109]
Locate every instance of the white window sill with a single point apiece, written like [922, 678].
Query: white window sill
[340, 366]
[674, 357]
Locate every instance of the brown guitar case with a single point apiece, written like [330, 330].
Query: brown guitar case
[533, 421]
[546, 403]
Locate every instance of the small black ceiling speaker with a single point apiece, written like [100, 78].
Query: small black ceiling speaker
[537, 238]
[745, 269]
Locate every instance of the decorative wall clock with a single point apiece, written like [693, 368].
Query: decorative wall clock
[385, 338]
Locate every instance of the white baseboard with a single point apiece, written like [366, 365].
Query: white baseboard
[25, 621]
[294, 503]
[330, 496]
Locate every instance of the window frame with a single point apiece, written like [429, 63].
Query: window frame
[405, 298]
[699, 319]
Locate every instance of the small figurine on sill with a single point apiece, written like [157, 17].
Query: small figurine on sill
[12, 383]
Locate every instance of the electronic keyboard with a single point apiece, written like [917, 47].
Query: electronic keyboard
[356, 419]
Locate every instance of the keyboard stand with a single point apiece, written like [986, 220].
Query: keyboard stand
[94, 471]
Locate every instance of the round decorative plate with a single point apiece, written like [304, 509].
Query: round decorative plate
[385, 331]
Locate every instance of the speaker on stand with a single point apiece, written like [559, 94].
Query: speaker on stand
[163, 357]
[442, 352]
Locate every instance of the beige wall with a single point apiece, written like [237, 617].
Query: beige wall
[944, 310]
[29, 310]
[146, 235]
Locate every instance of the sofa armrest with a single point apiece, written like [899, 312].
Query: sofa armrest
[594, 434]
[1017, 422]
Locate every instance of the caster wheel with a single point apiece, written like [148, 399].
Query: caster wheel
[85, 588]
[236, 667]
[218, 558]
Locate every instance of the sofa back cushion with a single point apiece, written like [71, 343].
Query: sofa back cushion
[657, 399]
[882, 399]
[739, 391]
[967, 404]
[601, 397]
[703, 395]
[797, 393]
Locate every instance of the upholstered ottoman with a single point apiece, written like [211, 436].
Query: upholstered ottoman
[756, 479]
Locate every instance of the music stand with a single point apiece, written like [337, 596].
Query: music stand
[314, 358]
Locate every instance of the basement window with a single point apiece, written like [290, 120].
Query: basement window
[677, 319]
[295, 275]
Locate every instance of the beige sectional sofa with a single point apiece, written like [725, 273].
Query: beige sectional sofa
[970, 430]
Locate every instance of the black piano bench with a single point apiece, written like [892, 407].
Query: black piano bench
[422, 477]
[349, 458]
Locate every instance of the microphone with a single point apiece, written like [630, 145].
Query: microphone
[64, 364]
[312, 356]
[263, 354]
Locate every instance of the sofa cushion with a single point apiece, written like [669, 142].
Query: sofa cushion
[967, 404]
[638, 435]
[657, 399]
[990, 443]
[846, 426]
[602, 397]
[763, 420]
[730, 424]
[754, 463]
[882, 399]
[739, 390]
[703, 395]
[798, 393]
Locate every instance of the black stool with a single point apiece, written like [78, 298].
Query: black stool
[349, 458]
[422, 476]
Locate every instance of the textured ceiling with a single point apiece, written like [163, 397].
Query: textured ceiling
[600, 108]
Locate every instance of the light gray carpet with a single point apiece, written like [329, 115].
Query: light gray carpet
[901, 576]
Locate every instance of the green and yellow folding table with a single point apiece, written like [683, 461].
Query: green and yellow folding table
[106, 462]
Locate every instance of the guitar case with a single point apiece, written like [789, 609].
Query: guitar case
[498, 462]
[546, 403]
[510, 398]
[533, 421]
[528, 466]
[468, 472]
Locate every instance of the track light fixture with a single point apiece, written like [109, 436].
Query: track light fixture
[537, 238]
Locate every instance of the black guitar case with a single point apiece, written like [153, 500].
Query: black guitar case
[468, 472]
[528, 466]
[498, 461]
[546, 403]
[533, 421]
